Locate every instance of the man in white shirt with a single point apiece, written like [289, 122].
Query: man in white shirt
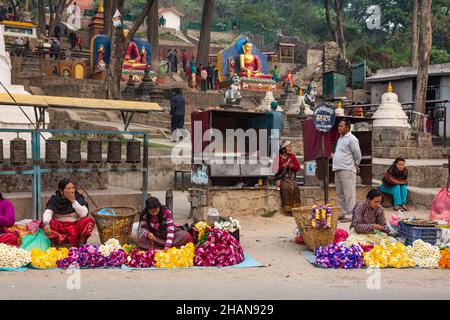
[346, 160]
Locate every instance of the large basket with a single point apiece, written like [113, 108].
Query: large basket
[313, 237]
[118, 226]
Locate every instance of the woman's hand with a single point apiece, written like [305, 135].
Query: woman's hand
[70, 196]
[47, 229]
[150, 236]
[379, 227]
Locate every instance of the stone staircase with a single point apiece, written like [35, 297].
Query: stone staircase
[438, 142]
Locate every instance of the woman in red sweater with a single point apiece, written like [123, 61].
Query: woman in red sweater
[286, 166]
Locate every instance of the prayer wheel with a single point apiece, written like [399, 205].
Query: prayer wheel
[114, 154]
[52, 150]
[1, 151]
[18, 149]
[94, 151]
[73, 150]
[133, 151]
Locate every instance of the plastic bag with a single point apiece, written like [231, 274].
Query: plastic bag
[440, 208]
[107, 212]
[36, 241]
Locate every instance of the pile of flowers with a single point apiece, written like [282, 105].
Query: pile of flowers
[128, 248]
[220, 249]
[47, 259]
[175, 258]
[201, 227]
[227, 224]
[13, 257]
[425, 254]
[339, 256]
[141, 259]
[444, 261]
[394, 255]
[109, 247]
[86, 256]
[321, 217]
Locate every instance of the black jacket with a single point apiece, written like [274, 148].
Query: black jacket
[177, 106]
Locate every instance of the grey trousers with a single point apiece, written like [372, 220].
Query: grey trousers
[346, 190]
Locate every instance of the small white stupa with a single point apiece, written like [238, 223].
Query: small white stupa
[339, 110]
[390, 112]
[267, 101]
[299, 105]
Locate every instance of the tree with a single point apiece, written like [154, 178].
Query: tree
[337, 32]
[55, 16]
[107, 17]
[415, 37]
[153, 33]
[425, 43]
[205, 32]
[119, 45]
[41, 16]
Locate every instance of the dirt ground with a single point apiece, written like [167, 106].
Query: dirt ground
[286, 275]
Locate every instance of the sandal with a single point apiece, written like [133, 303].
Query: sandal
[344, 219]
[397, 208]
[406, 208]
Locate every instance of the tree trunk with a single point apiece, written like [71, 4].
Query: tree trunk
[425, 42]
[415, 37]
[153, 34]
[119, 44]
[205, 33]
[331, 28]
[42, 21]
[107, 17]
[340, 28]
[60, 10]
[52, 15]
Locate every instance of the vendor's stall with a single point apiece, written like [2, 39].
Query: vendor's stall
[232, 156]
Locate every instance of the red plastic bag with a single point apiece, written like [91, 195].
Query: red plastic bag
[440, 208]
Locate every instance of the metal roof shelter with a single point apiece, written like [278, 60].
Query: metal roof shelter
[408, 72]
[40, 103]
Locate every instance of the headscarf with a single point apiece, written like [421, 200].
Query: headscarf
[60, 204]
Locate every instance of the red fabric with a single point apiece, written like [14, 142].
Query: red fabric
[9, 238]
[283, 163]
[312, 141]
[70, 232]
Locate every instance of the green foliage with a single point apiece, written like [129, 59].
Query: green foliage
[439, 56]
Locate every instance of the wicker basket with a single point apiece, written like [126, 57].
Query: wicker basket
[313, 237]
[118, 227]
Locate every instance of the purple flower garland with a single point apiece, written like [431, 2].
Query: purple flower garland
[339, 256]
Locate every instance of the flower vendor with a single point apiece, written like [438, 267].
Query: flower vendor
[157, 229]
[65, 219]
[7, 219]
[395, 182]
[286, 166]
[368, 222]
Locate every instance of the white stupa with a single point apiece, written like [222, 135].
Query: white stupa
[267, 101]
[390, 112]
[11, 116]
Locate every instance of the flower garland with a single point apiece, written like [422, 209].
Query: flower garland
[385, 255]
[13, 257]
[201, 228]
[228, 224]
[220, 249]
[110, 246]
[444, 261]
[141, 259]
[175, 258]
[321, 217]
[425, 254]
[86, 256]
[47, 259]
[128, 248]
[339, 256]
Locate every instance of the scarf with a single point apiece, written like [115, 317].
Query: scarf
[61, 205]
[394, 177]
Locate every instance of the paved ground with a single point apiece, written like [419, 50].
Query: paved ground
[286, 275]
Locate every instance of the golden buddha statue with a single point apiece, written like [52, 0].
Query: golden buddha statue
[135, 63]
[250, 64]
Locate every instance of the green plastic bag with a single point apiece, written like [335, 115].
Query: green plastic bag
[36, 241]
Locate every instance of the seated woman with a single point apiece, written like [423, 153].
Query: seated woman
[286, 166]
[157, 229]
[367, 218]
[395, 182]
[65, 219]
[7, 219]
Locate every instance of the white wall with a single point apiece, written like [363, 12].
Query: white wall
[172, 20]
[403, 88]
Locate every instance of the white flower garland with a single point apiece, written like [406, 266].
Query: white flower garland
[13, 257]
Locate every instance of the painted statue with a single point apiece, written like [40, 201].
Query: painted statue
[243, 59]
[250, 63]
[288, 81]
[232, 95]
[101, 65]
[311, 93]
[138, 54]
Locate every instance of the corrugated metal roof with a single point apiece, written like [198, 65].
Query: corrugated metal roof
[408, 72]
[80, 103]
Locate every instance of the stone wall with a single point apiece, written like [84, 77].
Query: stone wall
[418, 176]
[332, 60]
